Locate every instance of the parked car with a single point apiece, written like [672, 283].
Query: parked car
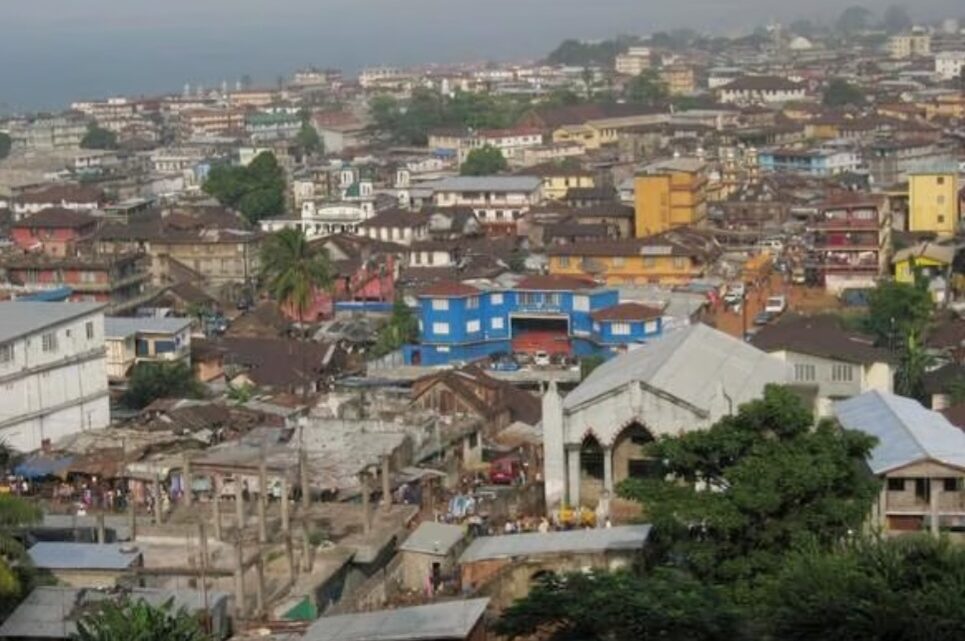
[763, 318]
[735, 293]
[504, 363]
[505, 471]
[798, 276]
[775, 305]
[541, 359]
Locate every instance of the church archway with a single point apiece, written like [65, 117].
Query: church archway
[632, 457]
[591, 470]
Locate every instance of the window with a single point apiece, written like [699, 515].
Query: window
[941, 219]
[472, 326]
[6, 353]
[803, 372]
[564, 261]
[472, 302]
[440, 304]
[620, 329]
[497, 323]
[552, 300]
[679, 262]
[49, 342]
[896, 485]
[617, 261]
[496, 299]
[649, 262]
[581, 303]
[651, 327]
[940, 180]
[841, 373]
[952, 485]
[440, 328]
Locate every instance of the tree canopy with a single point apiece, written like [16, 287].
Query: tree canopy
[98, 138]
[294, 269]
[784, 483]
[577, 53]
[152, 381]
[402, 328]
[854, 18]
[127, 619]
[897, 310]
[257, 191]
[896, 19]
[308, 139]
[647, 89]
[15, 568]
[484, 161]
[5, 145]
[841, 93]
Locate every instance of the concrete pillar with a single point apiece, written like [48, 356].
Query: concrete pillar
[186, 479]
[216, 509]
[203, 546]
[608, 469]
[882, 521]
[101, 530]
[262, 501]
[286, 527]
[290, 555]
[366, 516]
[554, 452]
[131, 517]
[239, 578]
[239, 505]
[303, 474]
[573, 477]
[260, 585]
[306, 549]
[386, 484]
[933, 504]
[157, 500]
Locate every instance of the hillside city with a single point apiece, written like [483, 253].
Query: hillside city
[657, 337]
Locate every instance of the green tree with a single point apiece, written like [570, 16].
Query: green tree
[647, 89]
[665, 605]
[98, 138]
[5, 144]
[402, 328]
[840, 93]
[293, 269]
[517, 261]
[896, 19]
[484, 161]
[138, 620]
[15, 568]
[152, 381]
[896, 310]
[588, 364]
[853, 19]
[782, 482]
[576, 53]
[914, 361]
[308, 139]
[257, 191]
[903, 589]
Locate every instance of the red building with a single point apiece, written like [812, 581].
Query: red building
[52, 231]
[849, 241]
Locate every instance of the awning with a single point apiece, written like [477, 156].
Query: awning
[41, 465]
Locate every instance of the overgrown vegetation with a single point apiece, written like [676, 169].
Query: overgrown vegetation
[257, 191]
[402, 328]
[98, 138]
[484, 161]
[138, 620]
[152, 381]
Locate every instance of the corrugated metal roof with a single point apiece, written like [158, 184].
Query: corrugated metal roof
[433, 538]
[81, 556]
[117, 327]
[689, 365]
[625, 537]
[906, 431]
[449, 620]
[22, 318]
[487, 183]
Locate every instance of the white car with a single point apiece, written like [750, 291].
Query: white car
[775, 305]
[541, 359]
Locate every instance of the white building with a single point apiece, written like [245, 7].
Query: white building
[949, 64]
[131, 341]
[909, 45]
[750, 90]
[633, 62]
[494, 199]
[53, 379]
[595, 436]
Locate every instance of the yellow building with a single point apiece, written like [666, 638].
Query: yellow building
[933, 202]
[558, 178]
[670, 194]
[673, 258]
[946, 106]
[928, 259]
[594, 134]
[679, 79]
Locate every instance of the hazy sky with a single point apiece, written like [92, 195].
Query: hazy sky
[53, 51]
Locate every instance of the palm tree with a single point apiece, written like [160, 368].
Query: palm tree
[914, 361]
[128, 619]
[14, 512]
[293, 270]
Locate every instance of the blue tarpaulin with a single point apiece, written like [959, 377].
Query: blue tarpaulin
[58, 295]
[40, 466]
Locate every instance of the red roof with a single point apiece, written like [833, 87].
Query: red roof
[449, 289]
[555, 283]
[627, 312]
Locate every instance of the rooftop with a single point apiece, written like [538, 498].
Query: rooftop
[448, 620]
[449, 289]
[433, 538]
[487, 183]
[821, 336]
[627, 312]
[117, 327]
[24, 318]
[82, 556]
[626, 537]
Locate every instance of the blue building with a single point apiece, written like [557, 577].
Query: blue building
[809, 162]
[552, 314]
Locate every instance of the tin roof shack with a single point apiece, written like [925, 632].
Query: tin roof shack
[52, 612]
[449, 621]
[505, 567]
[429, 554]
[85, 565]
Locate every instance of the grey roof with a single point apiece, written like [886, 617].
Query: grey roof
[81, 556]
[448, 620]
[487, 183]
[117, 327]
[907, 432]
[688, 364]
[433, 538]
[625, 537]
[20, 318]
[49, 612]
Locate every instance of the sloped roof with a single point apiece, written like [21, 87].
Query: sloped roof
[821, 336]
[449, 289]
[447, 620]
[907, 432]
[627, 312]
[433, 538]
[688, 364]
[626, 537]
[81, 556]
[554, 282]
[56, 218]
[19, 318]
